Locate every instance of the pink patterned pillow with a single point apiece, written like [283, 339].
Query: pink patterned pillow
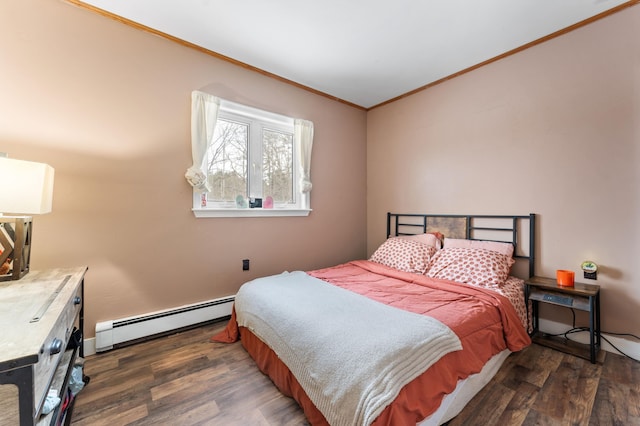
[471, 266]
[404, 255]
[429, 239]
[504, 248]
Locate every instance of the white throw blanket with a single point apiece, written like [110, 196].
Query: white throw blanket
[350, 354]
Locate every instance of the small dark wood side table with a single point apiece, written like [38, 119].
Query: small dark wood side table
[584, 297]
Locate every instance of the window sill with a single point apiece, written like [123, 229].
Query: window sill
[203, 213]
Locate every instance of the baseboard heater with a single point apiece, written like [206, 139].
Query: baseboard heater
[110, 334]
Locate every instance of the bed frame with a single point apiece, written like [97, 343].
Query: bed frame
[517, 230]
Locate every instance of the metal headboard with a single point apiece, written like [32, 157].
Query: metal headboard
[518, 230]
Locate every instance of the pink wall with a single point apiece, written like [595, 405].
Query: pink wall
[552, 130]
[108, 106]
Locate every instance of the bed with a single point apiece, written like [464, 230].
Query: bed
[409, 335]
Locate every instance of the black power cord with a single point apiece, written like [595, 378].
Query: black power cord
[575, 329]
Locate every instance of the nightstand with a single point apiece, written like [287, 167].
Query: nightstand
[584, 297]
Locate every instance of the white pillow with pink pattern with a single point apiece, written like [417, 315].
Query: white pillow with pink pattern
[404, 255]
[500, 247]
[430, 239]
[475, 266]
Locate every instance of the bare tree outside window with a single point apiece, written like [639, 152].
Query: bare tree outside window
[228, 161]
[277, 166]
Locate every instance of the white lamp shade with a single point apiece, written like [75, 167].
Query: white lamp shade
[25, 187]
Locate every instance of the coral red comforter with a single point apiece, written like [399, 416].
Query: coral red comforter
[485, 321]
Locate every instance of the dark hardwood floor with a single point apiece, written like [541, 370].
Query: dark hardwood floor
[183, 379]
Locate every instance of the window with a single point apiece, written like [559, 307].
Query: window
[251, 158]
[254, 163]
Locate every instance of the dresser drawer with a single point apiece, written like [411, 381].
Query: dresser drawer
[45, 368]
[54, 347]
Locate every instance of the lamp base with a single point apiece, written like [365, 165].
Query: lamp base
[15, 246]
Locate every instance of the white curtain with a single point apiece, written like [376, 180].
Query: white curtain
[204, 114]
[304, 139]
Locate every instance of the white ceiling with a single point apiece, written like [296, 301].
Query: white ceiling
[364, 52]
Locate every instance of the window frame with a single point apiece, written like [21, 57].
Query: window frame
[258, 119]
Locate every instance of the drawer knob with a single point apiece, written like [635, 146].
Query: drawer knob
[55, 347]
[77, 300]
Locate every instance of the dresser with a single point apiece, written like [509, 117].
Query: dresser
[38, 315]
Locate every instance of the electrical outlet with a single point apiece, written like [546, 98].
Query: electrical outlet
[245, 264]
